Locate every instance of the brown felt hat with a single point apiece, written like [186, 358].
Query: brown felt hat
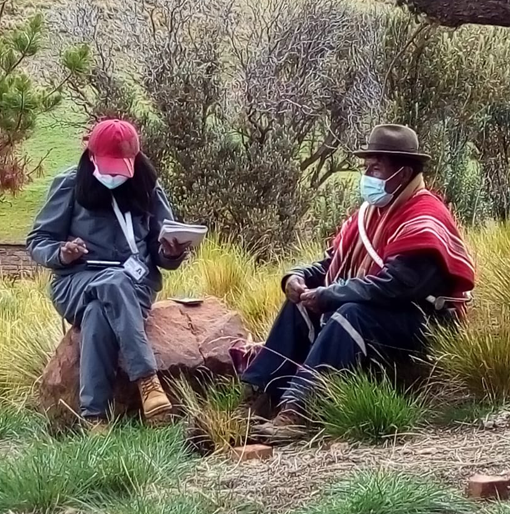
[393, 140]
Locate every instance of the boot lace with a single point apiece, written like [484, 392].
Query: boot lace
[150, 385]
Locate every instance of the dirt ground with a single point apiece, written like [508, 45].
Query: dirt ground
[297, 474]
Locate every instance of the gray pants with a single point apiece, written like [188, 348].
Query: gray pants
[110, 309]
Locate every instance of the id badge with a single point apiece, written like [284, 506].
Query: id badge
[135, 268]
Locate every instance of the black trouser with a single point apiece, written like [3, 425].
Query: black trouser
[356, 331]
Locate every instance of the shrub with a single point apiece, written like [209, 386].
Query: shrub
[453, 98]
[390, 492]
[332, 205]
[241, 117]
[359, 406]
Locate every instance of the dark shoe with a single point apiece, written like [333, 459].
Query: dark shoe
[254, 403]
[95, 425]
[288, 425]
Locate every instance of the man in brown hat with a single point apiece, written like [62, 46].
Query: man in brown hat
[396, 263]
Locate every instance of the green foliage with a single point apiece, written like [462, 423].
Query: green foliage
[390, 492]
[362, 407]
[450, 86]
[22, 100]
[51, 475]
[188, 504]
[243, 131]
[333, 203]
[469, 411]
[477, 354]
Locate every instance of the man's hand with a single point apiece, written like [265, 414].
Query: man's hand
[310, 300]
[172, 249]
[72, 251]
[294, 288]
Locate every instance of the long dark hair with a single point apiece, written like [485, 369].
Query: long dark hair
[134, 195]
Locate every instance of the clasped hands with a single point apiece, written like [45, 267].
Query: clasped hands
[297, 292]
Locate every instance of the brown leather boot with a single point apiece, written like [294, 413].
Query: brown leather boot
[288, 425]
[154, 399]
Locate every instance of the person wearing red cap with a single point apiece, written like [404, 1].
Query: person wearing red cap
[98, 232]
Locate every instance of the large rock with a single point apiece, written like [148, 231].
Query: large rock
[186, 340]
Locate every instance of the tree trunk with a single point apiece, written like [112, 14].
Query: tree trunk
[453, 13]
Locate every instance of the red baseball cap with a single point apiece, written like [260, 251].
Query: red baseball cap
[114, 144]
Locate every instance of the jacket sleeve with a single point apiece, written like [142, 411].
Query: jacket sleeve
[314, 274]
[405, 278]
[161, 211]
[52, 224]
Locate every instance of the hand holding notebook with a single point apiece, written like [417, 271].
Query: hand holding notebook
[182, 233]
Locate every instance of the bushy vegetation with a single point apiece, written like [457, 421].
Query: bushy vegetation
[248, 124]
[212, 415]
[362, 407]
[388, 492]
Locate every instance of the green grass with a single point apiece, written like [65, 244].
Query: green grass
[64, 144]
[17, 423]
[127, 462]
[498, 508]
[467, 412]
[361, 407]
[389, 492]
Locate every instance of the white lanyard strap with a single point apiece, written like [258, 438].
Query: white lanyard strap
[126, 224]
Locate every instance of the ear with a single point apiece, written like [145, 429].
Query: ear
[407, 174]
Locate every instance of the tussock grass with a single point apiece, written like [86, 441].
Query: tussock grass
[213, 413]
[18, 422]
[51, 475]
[361, 407]
[478, 354]
[390, 492]
[29, 331]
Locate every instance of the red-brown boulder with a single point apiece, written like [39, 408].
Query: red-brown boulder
[187, 340]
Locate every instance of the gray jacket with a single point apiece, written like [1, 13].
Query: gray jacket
[63, 219]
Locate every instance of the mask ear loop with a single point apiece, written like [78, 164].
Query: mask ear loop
[388, 179]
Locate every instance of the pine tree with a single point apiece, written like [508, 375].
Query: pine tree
[22, 100]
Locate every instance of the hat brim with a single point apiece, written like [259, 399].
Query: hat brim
[368, 153]
[115, 166]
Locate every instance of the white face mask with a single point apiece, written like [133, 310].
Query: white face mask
[110, 181]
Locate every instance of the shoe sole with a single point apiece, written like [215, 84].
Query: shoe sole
[163, 409]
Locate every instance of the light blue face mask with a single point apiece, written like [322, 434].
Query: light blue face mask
[373, 190]
[110, 181]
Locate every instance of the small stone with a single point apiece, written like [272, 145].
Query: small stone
[252, 451]
[486, 486]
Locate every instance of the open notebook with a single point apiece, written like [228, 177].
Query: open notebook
[182, 232]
